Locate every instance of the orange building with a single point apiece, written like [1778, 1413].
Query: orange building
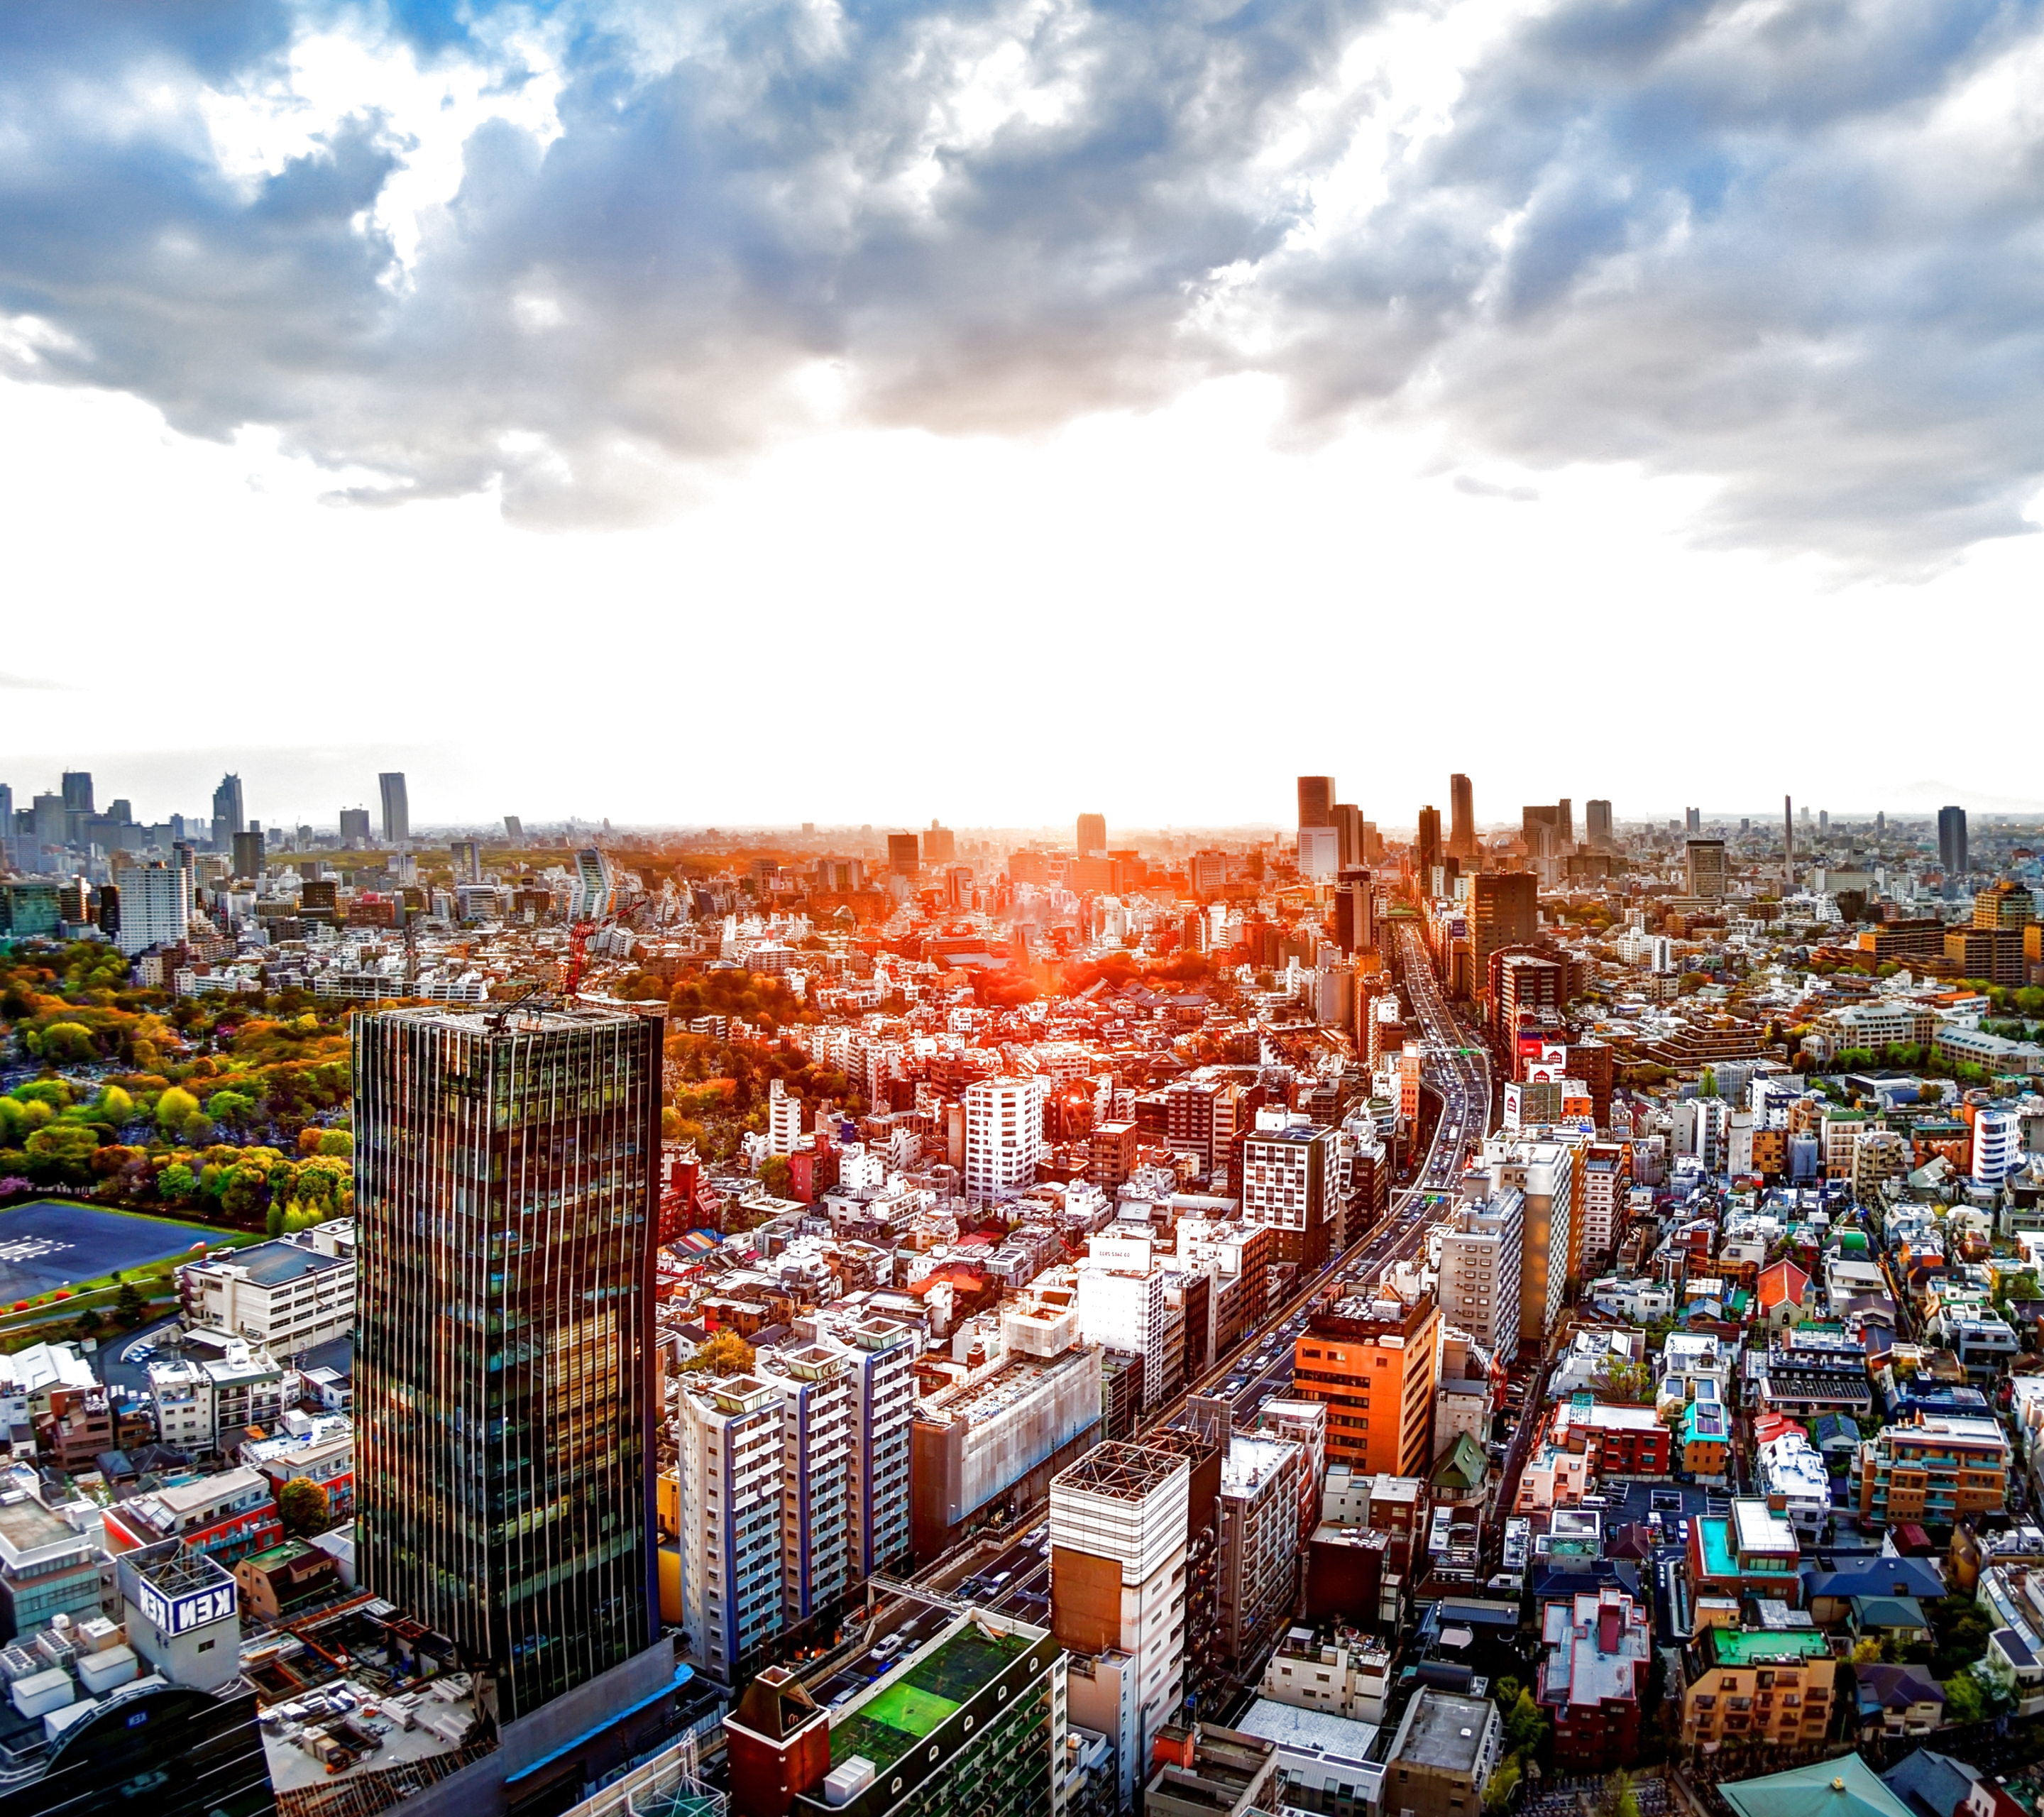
[1373, 1364]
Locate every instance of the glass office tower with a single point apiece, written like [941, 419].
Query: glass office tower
[504, 1376]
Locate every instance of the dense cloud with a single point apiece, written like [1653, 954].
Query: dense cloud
[1792, 246]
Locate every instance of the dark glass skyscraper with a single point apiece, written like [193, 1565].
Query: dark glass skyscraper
[504, 1208]
[1952, 841]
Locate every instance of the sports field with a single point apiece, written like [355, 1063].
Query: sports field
[43, 1244]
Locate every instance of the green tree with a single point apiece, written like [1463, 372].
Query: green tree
[1616, 1797]
[243, 1191]
[68, 1043]
[777, 1175]
[1503, 1783]
[175, 1109]
[62, 1152]
[339, 1142]
[721, 1353]
[1964, 1700]
[302, 1505]
[1524, 1725]
[129, 1307]
[231, 1107]
[177, 1182]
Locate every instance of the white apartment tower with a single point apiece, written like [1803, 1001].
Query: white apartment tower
[883, 1392]
[156, 905]
[1004, 1136]
[816, 1451]
[1545, 1172]
[784, 1118]
[1480, 1267]
[730, 1465]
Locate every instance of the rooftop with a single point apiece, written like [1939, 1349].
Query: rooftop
[888, 1724]
[1740, 1646]
[1442, 1731]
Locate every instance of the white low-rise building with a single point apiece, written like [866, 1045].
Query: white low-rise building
[287, 1295]
[1793, 1469]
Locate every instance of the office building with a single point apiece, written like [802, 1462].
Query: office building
[1316, 801]
[1995, 955]
[1121, 1306]
[1092, 835]
[505, 1174]
[1119, 1539]
[1504, 910]
[1374, 1365]
[1596, 825]
[1257, 1561]
[1443, 1755]
[1004, 1136]
[1952, 841]
[940, 844]
[1706, 864]
[355, 827]
[248, 855]
[1480, 1258]
[1355, 911]
[1349, 824]
[970, 1717]
[2004, 904]
[77, 796]
[1559, 819]
[514, 830]
[464, 862]
[396, 807]
[1320, 854]
[1203, 1770]
[596, 885]
[1426, 847]
[229, 817]
[1462, 817]
[156, 905]
[904, 855]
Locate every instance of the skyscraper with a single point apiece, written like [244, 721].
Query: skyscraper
[1428, 850]
[1788, 844]
[1316, 801]
[228, 817]
[1004, 1136]
[396, 807]
[1952, 840]
[1596, 825]
[1348, 824]
[1693, 820]
[78, 791]
[1093, 834]
[1504, 910]
[1462, 817]
[504, 1371]
[514, 829]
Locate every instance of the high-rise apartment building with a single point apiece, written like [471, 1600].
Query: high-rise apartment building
[1504, 910]
[1316, 801]
[2004, 904]
[1258, 1563]
[814, 1381]
[1284, 1187]
[229, 817]
[1596, 825]
[1004, 1136]
[1427, 846]
[1607, 1179]
[396, 807]
[1462, 817]
[1373, 1363]
[879, 1353]
[505, 1378]
[1706, 866]
[156, 905]
[1952, 841]
[731, 1463]
[1092, 835]
[1545, 1172]
[1480, 1258]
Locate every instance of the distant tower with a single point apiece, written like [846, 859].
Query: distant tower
[78, 791]
[1462, 817]
[1788, 845]
[396, 807]
[1429, 852]
[228, 816]
[1693, 820]
[1596, 824]
[1952, 840]
[1316, 801]
[514, 829]
[1093, 834]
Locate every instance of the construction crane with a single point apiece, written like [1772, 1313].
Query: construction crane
[578, 953]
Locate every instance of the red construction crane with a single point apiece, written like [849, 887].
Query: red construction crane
[578, 950]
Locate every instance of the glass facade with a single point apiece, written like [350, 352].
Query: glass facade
[505, 1213]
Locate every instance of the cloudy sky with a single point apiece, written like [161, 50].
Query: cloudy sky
[793, 410]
